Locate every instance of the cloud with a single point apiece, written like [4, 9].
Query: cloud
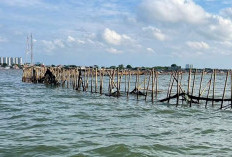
[80, 41]
[173, 11]
[50, 46]
[71, 39]
[3, 40]
[21, 3]
[58, 43]
[185, 17]
[114, 51]
[150, 50]
[197, 45]
[154, 32]
[114, 38]
[227, 13]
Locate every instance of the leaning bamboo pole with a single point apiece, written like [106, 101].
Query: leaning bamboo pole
[199, 94]
[208, 90]
[224, 91]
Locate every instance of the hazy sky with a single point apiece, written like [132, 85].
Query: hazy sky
[113, 32]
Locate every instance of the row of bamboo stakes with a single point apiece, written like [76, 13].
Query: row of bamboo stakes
[177, 77]
[92, 80]
[83, 79]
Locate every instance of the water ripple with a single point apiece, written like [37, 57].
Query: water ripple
[39, 120]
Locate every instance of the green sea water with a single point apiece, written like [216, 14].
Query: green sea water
[40, 121]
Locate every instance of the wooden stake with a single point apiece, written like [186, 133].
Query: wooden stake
[202, 75]
[224, 91]
[87, 82]
[92, 80]
[145, 79]
[231, 87]
[194, 77]
[214, 81]
[128, 88]
[96, 81]
[170, 92]
[118, 82]
[84, 87]
[177, 89]
[138, 85]
[180, 83]
[169, 85]
[189, 81]
[148, 85]
[125, 80]
[156, 86]
[208, 90]
[152, 92]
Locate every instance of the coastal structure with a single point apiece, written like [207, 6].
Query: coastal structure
[181, 88]
[11, 60]
[188, 66]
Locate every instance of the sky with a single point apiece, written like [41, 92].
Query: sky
[112, 32]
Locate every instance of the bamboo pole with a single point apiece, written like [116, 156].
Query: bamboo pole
[67, 77]
[208, 90]
[177, 89]
[202, 76]
[180, 84]
[145, 79]
[169, 84]
[125, 80]
[128, 88]
[118, 82]
[102, 77]
[109, 87]
[148, 85]
[231, 87]
[84, 86]
[96, 80]
[170, 92]
[87, 82]
[92, 80]
[194, 78]
[152, 92]
[214, 81]
[224, 91]
[138, 85]
[189, 81]
[156, 86]
[113, 77]
[120, 78]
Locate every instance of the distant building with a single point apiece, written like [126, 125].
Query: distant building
[20, 61]
[1, 60]
[188, 66]
[5, 60]
[11, 60]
